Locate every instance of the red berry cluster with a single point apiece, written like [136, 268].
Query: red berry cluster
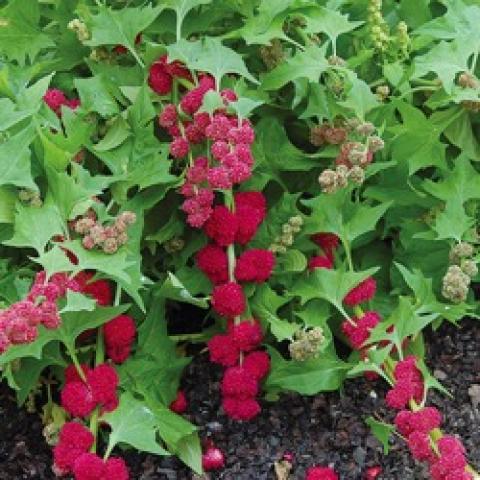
[20, 321]
[162, 74]
[328, 242]
[321, 473]
[56, 99]
[445, 456]
[98, 289]
[246, 367]
[80, 396]
[408, 384]
[71, 455]
[119, 335]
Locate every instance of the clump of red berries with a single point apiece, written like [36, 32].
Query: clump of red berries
[321, 473]
[20, 321]
[119, 335]
[55, 99]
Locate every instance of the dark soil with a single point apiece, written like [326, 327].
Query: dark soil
[325, 429]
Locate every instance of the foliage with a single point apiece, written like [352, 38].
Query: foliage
[366, 125]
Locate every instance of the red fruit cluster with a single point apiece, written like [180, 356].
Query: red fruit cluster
[20, 321]
[255, 265]
[321, 473]
[408, 384]
[241, 378]
[451, 463]
[74, 440]
[92, 467]
[80, 398]
[119, 334]
[363, 292]
[320, 261]
[100, 290]
[416, 427]
[358, 330]
[448, 461]
[56, 99]
[162, 74]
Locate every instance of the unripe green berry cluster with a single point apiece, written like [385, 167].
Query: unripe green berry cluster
[306, 344]
[285, 240]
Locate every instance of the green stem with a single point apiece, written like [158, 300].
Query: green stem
[76, 363]
[348, 253]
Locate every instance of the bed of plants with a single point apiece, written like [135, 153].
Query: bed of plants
[303, 173]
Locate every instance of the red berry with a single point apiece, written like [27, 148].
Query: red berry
[179, 405]
[228, 300]
[213, 459]
[223, 350]
[255, 265]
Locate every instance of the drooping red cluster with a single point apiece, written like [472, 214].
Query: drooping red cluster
[74, 440]
[451, 463]
[321, 473]
[363, 292]
[448, 461]
[119, 335]
[56, 99]
[358, 330]
[240, 384]
[408, 384]
[90, 466]
[162, 73]
[80, 398]
[20, 321]
[212, 261]
[180, 404]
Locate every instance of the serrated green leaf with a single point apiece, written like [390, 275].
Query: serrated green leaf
[76, 302]
[291, 261]
[309, 64]
[382, 432]
[15, 168]
[20, 34]
[120, 27]
[330, 22]
[181, 8]
[134, 424]
[360, 98]
[264, 305]
[331, 285]
[323, 374]
[174, 289]
[35, 226]
[96, 96]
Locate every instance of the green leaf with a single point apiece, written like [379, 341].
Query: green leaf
[331, 285]
[35, 226]
[309, 64]
[323, 374]
[461, 134]
[291, 261]
[264, 305]
[182, 8]
[360, 98]
[445, 59]
[330, 22]
[20, 34]
[15, 156]
[452, 222]
[7, 205]
[245, 106]
[76, 302]
[337, 213]
[382, 432]
[26, 378]
[96, 95]
[174, 289]
[134, 424]
[118, 132]
[461, 184]
[180, 436]
[120, 27]
[219, 60]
